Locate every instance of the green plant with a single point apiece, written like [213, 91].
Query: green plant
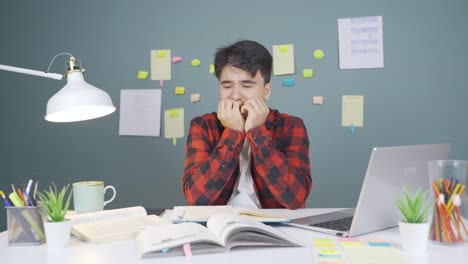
[55, 202]
[412, 207]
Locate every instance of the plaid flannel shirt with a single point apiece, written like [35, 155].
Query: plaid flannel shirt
[279, 163]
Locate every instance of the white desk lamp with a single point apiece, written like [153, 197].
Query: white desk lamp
[77, 100]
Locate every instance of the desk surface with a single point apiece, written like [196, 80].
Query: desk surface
[125, 251]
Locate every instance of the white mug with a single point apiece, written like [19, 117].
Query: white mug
[88, 196]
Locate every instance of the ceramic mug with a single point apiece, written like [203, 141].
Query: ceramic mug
[88, 196]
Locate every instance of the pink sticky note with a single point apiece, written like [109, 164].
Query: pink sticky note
[187, 251]
[161, 83]
[346, 239]
[176, 59]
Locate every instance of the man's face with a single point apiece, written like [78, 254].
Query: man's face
[238, 85]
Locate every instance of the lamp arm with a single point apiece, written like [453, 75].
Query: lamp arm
[55, 76]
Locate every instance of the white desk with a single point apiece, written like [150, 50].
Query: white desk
[125, 251]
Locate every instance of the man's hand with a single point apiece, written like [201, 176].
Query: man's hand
[257, 112]
[229, 114]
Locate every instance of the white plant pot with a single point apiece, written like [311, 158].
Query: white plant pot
[414, 237]
[57, 233]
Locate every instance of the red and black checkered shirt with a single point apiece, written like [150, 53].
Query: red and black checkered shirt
[279, 163]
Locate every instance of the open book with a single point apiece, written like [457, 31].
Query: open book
[222, 232]
[200, 214]
[114, 224]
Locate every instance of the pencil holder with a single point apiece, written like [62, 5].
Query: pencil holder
[448, 180]
[25, 225]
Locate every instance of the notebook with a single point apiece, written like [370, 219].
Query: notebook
[389, 169]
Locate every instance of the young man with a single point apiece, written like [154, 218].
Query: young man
[246, 155]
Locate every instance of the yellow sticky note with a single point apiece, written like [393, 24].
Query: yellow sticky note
[212, 68]
[174, 123]
[160, 66]
[142, 75]
[352, 110]
[307, 73]
[317, 100]
[161, 53]
[318, 54]
[351, 244]
[283, 59]
[194, 98]
[179, 90]
[329, 251]
[323, 240]
[196, 62]
[324, 245]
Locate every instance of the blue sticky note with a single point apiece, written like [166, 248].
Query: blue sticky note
[352, 128]
[379, 244]
[288, 82]
[165, 250]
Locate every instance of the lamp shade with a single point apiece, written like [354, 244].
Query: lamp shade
[78, 101]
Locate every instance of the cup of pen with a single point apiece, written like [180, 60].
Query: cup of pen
[448, 182]
[25, 225]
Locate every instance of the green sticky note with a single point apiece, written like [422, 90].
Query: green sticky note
[318, 54]
[161, 53]
[196, 62]
[173, 112]
[212, 68]
[307, 73]
[174, 141]
[142, 75]
[283, 48]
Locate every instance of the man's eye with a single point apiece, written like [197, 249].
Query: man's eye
[227, 86]
[247, 86]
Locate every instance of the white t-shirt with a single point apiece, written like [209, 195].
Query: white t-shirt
[244, 195]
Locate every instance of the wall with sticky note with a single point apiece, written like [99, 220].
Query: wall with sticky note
[418, 97]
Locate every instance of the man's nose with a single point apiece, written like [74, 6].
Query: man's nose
[236, 93]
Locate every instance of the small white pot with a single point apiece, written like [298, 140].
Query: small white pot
[414, 237]
[57, 233]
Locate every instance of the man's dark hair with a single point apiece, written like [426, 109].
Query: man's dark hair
[247, 55]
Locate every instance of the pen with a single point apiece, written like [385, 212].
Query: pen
[20, 195]
[35, 190]
[7, 201]
[26, 198]
[30, 182]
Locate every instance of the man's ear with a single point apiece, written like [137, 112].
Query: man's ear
[267, 93]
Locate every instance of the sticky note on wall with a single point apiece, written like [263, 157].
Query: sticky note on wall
[283, 59]
[307, 73]
[288, 82]
[142, 75]
[352, 110]
[160, 64]
[179, 90]
[317, 100]
[194, 98]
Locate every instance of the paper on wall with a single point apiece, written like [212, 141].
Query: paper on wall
[360, 42]
[283, 59]
[174, 123]
[140, 112]
[160, 64]
[352, 110]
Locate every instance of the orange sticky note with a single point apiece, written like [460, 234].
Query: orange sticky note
[194, 98]
[317, 100]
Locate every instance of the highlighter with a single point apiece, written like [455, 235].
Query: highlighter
[16, 200]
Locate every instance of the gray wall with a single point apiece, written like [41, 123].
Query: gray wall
[419, 97]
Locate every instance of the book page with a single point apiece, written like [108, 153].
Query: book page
[197, 213]
[226, 226]
[117, 228]
[107, 215]
[151, 241]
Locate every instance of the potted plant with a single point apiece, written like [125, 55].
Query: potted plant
[57, 227]
[414, 228]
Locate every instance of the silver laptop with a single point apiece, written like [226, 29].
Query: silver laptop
[389, 169]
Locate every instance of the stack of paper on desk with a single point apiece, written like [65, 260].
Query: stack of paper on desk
[200, 214]
[222, 232]
[113, 224]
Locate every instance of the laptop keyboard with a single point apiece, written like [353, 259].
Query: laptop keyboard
[343, 224]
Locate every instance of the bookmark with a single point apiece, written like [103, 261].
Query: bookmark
[187, 251]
